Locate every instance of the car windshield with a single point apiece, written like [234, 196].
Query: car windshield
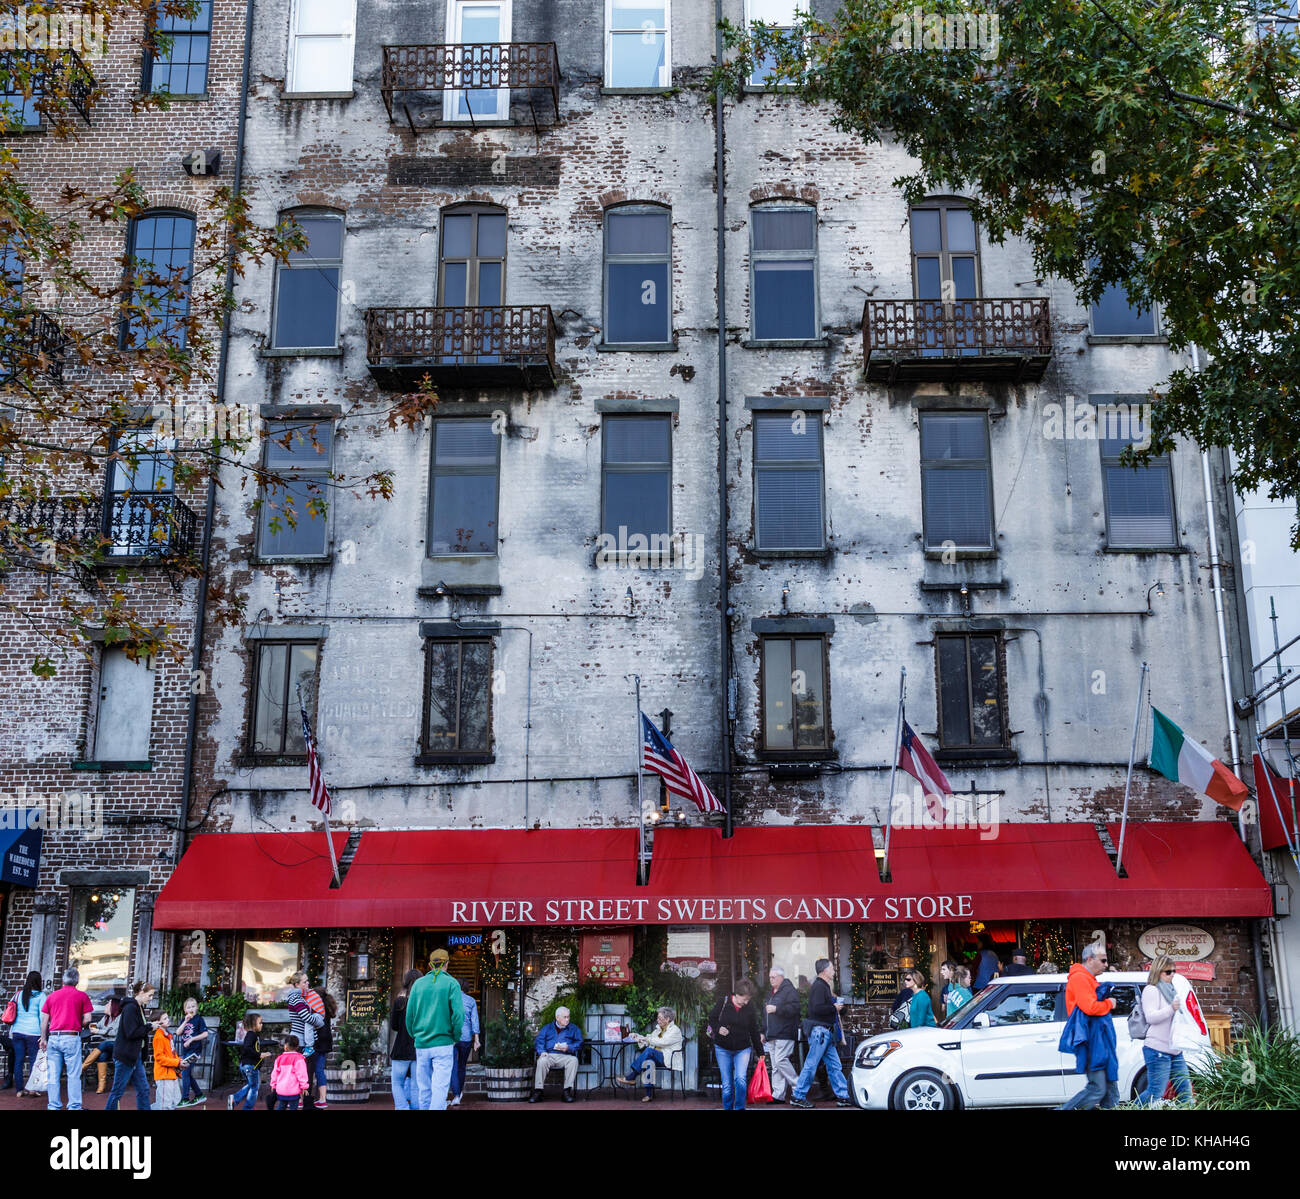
[949, 1021]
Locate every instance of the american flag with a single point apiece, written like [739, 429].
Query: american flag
[320, 797]
[659, 756]
[914, 759]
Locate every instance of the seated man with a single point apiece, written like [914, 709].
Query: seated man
[557, 1045]
[658, 1048]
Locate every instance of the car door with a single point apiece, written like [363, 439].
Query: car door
[1009, 1050]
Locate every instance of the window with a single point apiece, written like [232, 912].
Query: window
[945, 269]
[1023, 1007]
[956, 481]
[971, 687]
[638, 273]
[12, 356]
[796, 951]
[320, 46]
[783, 267]
[788, 481]
[637, 44]
[485, 26]
[293, 517]
[100, 938]
[19, 112]
[275, 730]
[1114, 316]
[124, 712]
[794, 694]
[636, 485]
[472, 257]
[463, 488]
[265, 968]
[141, 504]
[781, 15]
[307, 286]
[160, 251]
[1139, 499]
[457, 697]
[183, 69]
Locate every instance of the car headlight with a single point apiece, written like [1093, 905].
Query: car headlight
[871, 1055]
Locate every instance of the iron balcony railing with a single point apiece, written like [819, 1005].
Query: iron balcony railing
[470, 67]
[982, 332]
[29, 342]
[44, 71]
[127, 524]
[490, 343]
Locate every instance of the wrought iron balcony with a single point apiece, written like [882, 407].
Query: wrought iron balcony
[470, 347]
[126, 525]
[60, 71]
[466, 74]
[30, 342]
[925, 340]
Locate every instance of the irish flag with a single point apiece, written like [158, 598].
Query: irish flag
[1175, 755]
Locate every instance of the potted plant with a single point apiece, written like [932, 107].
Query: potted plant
[347, 1069]
[508, 1059]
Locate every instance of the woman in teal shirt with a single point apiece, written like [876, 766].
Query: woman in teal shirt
[959, 992]
[920, 1009]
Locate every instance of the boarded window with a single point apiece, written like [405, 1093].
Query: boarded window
[124, 713]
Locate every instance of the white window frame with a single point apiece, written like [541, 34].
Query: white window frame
[293, 84]
[666, 29]
[751, 81]
[451, 97]
[757, 256]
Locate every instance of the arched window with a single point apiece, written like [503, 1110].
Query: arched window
[160, 252]
[638, 275]
[783, 272]
[307, 286]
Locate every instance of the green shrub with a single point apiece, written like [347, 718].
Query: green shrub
[355, 1040]
[508, 1043]
[1260, 1072]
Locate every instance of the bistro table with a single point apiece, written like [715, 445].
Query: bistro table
[609, 1057]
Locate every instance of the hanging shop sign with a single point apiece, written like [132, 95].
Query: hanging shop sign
[606, 955]
[20, 849]
[1183, 942]
[883, 986]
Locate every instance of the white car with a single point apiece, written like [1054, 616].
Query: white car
[1000, 1050]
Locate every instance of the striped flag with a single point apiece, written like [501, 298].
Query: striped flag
[320, 797]
[914, 759]
[658, 755]
[1175, 755]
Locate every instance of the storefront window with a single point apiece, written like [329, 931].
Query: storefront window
[101, 937]
[796, 950]
[266, 967]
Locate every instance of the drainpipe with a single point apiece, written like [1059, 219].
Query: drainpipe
[724, 603]
[200, 617]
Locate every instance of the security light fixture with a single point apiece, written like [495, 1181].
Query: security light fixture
[198, 163]
[1159, 588]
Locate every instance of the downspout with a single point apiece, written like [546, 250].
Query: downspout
[724, 603]
[200, 617]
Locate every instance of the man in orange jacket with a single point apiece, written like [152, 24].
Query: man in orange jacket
[1081, 993]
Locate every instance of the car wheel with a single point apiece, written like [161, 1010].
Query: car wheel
[1139, 1084]
[923, 1091]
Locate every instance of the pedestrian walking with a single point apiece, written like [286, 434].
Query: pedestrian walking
[401, 1058]
[782, 1030]
[1160, 1004]
[920, 1008]
[958, 991]
[250, 1065]
[435, 1016]
[64, 1014]
[26, 1029]
[128, 1048]
[1090, 1033]
[823, 1017]
[989, 965]
[166, 1066]
[735, 1034]
[323, 1047]
[191, 1037]
[289, 1076]
[470, 1034]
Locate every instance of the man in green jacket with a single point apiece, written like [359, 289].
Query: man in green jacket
[434, 1018]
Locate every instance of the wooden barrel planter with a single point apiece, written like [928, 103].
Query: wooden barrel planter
[347, 1086]
[511, 1084]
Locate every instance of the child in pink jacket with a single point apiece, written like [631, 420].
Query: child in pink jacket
[289, 1076]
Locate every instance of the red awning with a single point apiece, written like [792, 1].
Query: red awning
[776, 874]
[250, 880]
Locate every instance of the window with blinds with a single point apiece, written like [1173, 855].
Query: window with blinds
[788, 482]
[956, 481]
[637, 477]
[783, 267]
[1139, 499]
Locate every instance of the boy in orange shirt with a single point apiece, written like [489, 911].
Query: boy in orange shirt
[166, 1066]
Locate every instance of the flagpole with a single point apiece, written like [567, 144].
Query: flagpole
[1128, 781]
[329, 840]
[893, 771]
[640, 814]
[1268, 778]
